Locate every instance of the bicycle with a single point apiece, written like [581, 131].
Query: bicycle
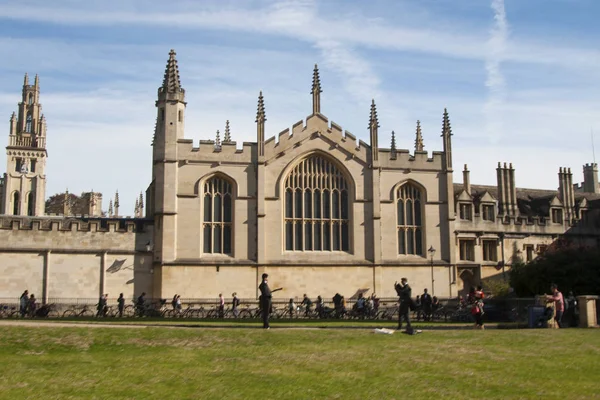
[84, 311]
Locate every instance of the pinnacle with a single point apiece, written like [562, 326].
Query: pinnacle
[26, 80]
[260, 113]
[419, 138]
[171, 82]
[227, 137]
[218, 140]
[446, 129]
[373, 122]
[316, 83]
[141, 200]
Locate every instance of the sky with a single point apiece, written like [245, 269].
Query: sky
[520, 79]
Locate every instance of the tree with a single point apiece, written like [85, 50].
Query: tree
[572, 268]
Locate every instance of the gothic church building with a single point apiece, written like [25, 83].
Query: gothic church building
[317, 210]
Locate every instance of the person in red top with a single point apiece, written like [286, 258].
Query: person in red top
[559, 304]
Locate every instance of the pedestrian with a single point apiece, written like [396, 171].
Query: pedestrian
[307, 303]
[404, 294]
[31, 306]
[174, 302]
[221, 306]
[235, 303]
[23, 302]
[266, 295]
[559, 303]
[139, 305]
[477, 297]
[121, 305]
[426, 303]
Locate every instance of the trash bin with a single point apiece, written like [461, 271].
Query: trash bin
[536, 315]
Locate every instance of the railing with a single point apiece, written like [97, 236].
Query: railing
[514, 310]
[31, 141]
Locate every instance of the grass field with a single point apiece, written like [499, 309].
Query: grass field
[224, 363]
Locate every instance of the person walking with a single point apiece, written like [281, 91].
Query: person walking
[404, 294]
[266, 295]
[426, 303]
[23, 301]
[121, 305]
[221, 306]
[559, 303]
[235, 303]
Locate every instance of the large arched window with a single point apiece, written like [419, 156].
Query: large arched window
[409, 219]
[218, 213]
[16, 203]
[316, 207]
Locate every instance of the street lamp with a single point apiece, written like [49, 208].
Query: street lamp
[431, 252]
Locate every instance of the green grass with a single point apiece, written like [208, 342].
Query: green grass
[174, 363]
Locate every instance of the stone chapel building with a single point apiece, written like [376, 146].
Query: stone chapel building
[317, 210]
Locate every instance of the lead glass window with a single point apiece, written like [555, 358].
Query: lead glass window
[316, 207]
[217, 220]
[409, 223]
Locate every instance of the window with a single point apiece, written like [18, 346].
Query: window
[30, 204]
[18, 164]
[542, 248]
[490, 250]
[30, 99]
[488, 212]
[28, 124]
[217, 221]
[557, 216]
[466, 211]
[16, 205]
[316, 211]
[409, 220]
[162, 115]
[33, 162]
[529, 252]
[467, 249]
[180, 116]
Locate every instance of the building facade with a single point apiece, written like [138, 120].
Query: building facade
[318, 210]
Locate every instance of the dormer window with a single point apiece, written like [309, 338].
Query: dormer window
[488, 212]
[466, 211]
[557, 216]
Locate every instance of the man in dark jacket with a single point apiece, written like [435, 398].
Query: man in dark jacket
[404, 294]
[426, 303]
[265, 300]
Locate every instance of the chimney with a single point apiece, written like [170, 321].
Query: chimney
[565, 189]
[501, 190]
[466, 180]
[513, 191]
[590, 178]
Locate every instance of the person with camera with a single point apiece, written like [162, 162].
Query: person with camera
[265, 300]
[404, 294]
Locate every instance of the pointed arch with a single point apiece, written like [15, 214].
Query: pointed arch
[217, 193]
[317, 192]
[409, 197]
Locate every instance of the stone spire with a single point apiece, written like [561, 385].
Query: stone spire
[447, 138]
[36, 82]
[117, 204]
[227, 137]
[171, 82]
[141, 205]
[260, 125]
[110, 208]
[373, 128]
[218, 141]
[419, 138]
[136, 212]
[393, 151]
[26, 80]
[67, 203]
[316, 91]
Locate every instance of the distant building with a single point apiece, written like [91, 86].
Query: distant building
[318, 210]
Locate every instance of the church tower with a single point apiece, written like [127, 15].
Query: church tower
[24, 189]
[170, 107]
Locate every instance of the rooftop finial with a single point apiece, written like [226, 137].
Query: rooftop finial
[446, 129]
[26, 80]
[218, 141]
[419, 138]
[36, 82]
[227, 137]
[110, 208]
[447, 139]
[117, 199]
[171, 82]
[373, 122]
[141, 200]
[373, 129]
[393, 146]
[260, 113]
[316, 91]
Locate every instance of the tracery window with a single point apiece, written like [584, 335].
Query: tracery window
[218, 211]
[28, 124]
[409, 223]
[316, 207]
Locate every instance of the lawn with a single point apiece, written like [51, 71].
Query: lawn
[246, 363]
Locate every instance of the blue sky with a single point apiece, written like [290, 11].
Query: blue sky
[520, 78]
